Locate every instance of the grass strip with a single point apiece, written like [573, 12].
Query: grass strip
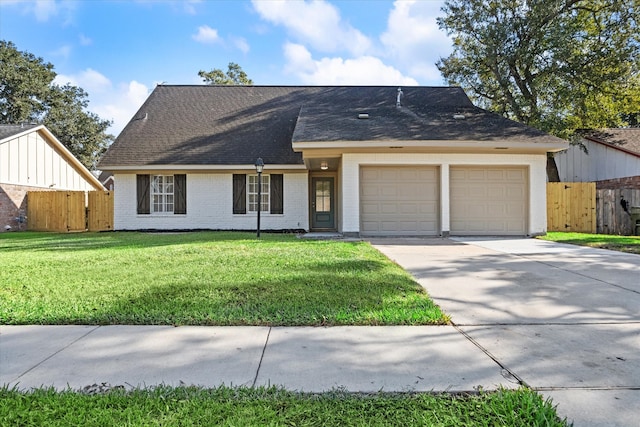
[226, 406]
[203, 278]
[629, 244]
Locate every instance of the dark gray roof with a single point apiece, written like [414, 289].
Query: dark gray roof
[227, 125]
[627, 139]
[7, 131]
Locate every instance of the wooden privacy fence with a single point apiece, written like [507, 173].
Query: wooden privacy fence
[581, 208]
[571, 206]
[100, 210]
[68, 211]
[614, 211]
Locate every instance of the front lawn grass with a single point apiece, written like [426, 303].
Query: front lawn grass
[203, 278]
[630, 244]
[188, 406]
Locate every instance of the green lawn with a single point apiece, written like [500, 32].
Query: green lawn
[630, 244]
[203, 278]
[273, 407]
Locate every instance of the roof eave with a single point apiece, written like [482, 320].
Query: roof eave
[471, 145]
[173, 167]
[614, 146]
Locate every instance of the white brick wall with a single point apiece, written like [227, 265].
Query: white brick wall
[210, 206]
[350, 182]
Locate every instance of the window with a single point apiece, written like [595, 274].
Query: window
[162, 193]
[252, 193]
[245, 192]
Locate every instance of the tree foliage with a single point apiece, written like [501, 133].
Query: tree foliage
[558, 65]
[233, 76]
[29, 95]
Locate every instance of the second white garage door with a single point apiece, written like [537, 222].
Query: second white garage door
[488, 200]
[399, 200]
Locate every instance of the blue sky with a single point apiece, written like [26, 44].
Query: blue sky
[119, 50]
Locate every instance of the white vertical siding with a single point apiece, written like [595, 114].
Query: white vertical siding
[602, 162]
[30, 160]
[210, 206]
[537, 215]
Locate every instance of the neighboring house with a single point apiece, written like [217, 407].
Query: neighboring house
[370, 161]
[106, 178]
[612, 159]
[32, 158]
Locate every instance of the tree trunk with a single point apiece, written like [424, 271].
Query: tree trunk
[552, 169]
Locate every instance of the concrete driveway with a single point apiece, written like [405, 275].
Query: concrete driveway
[562, 319]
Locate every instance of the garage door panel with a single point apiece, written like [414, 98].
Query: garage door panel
[496, 193]
[516, 175]
[429, 208]
[369, 208]
[488, 200]
[406, 200]
[387, 208]
[387, 191]
[515, 192]
[496, 210]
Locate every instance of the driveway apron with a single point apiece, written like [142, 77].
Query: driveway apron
[562, 319]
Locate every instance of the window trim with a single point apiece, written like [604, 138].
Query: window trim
[274, 194]
[145, 185]
[265, 193]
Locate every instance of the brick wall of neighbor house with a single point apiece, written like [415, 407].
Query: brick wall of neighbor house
[613, 184]
[210, 206]
[537, 220]
[13, 206]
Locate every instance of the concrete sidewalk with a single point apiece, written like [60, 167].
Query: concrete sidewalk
[561, 319]
[308, 359]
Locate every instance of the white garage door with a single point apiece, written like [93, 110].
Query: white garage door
[399, 200]
[488, 200]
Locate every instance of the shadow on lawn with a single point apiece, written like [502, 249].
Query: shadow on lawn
[356, 292]
[39, 241]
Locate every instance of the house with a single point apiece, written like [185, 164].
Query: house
[612, 159]
[106, 178]
[32, 158]
[360, 160]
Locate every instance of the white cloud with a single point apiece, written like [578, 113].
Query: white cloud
[413, 39]
[63, 51]
[364, 70]
[121, 105]
[316, 23]
[207, 34]
[85, 41]
[44, 9]
[241, 43]
[90, 80]
[117, 103]
[189, 6]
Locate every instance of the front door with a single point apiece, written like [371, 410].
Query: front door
[322, 203]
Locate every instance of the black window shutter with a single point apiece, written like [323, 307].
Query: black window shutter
[239, 193]
[144, 201]
[277, 205]
[180, 194]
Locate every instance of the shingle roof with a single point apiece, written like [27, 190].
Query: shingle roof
[227, 125]
[7, 131]
[627, 139]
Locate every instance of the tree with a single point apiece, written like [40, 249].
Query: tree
[28, 94]
[558, 65]
[234, 76]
